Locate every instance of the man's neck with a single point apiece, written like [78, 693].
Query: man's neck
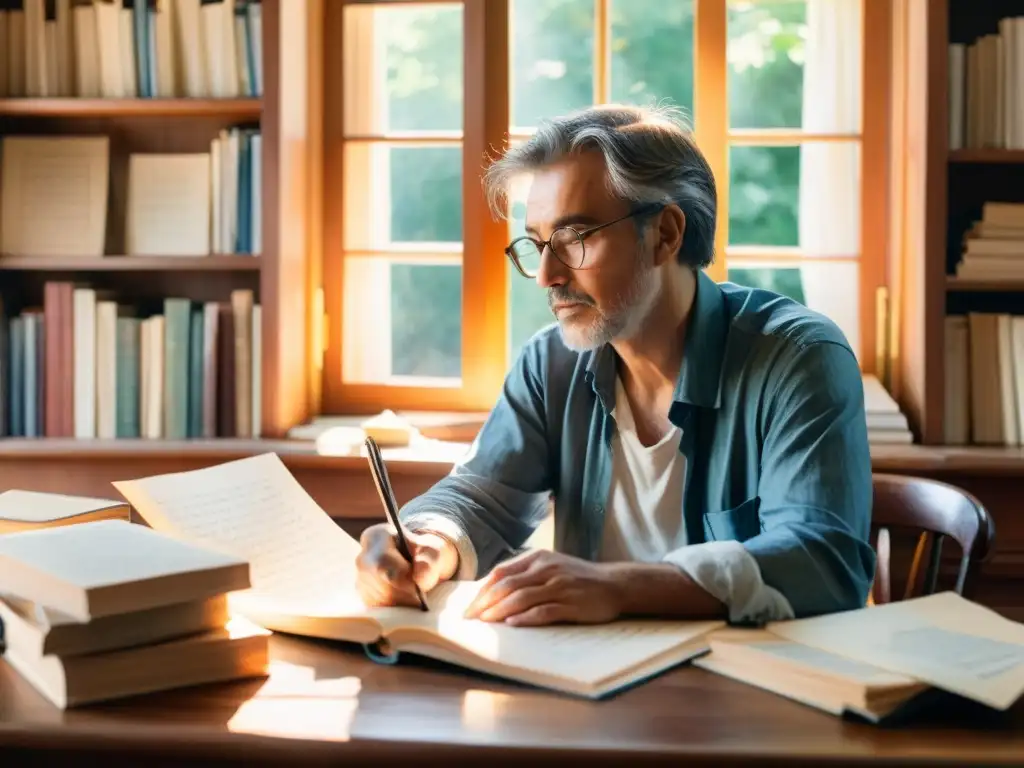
[651, 359]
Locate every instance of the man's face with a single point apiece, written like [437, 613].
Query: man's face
[609, 297]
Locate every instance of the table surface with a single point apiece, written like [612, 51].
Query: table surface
[327, 703]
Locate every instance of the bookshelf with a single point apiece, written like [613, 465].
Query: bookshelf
[936, 194]
[280, 278]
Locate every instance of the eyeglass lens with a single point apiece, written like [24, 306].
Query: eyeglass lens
[566, 245]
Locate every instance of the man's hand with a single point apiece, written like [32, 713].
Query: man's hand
[542, 587]
[384, 577]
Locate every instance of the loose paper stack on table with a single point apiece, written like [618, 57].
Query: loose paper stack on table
[106, 608]
[870, 662]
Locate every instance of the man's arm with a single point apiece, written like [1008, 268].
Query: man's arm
[495, 497]
[812, 555]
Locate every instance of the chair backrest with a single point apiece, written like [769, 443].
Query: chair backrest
[938, 511]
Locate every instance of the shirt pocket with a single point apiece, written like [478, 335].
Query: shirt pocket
[737, 524]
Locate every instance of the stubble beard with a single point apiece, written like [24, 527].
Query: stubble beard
[623, 322]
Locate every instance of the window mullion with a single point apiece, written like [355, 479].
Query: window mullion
[602, 51]
[711, 111]
[486, 106]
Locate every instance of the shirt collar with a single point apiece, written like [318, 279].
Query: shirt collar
[700, 374]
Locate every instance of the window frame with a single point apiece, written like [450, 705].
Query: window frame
[486, 125]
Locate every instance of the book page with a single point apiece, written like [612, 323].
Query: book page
[944, 640]
[585, 653]
[830, 663]
[301, 562]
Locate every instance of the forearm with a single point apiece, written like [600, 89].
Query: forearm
[662, 590]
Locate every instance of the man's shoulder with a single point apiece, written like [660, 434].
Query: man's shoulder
[764, 319]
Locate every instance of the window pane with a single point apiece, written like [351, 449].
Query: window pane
[401, 320]
[528, 311]
[795, 64]
[403, 68]
[806, 196]
[402, 195]
[652, 52]
[829, 287]
[426, 320]
[552, 58]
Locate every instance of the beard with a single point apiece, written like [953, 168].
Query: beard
[589, 326]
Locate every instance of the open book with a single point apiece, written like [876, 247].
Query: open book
[830, 682]
[303, 575]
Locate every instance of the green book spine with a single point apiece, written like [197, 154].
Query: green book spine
[195, 373]
[177, 331]
[128, 377]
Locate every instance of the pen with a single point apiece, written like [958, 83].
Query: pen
[387, 499]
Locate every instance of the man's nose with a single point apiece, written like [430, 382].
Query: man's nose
[551, 272]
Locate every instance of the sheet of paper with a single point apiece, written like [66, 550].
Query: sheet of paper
[831, 663]
[942, 639]
[301, 561]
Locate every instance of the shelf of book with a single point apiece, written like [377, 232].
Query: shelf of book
[437, 459]
[983, 285]
[215, 263]
[261, 166]
[987, 155]
[238, 109]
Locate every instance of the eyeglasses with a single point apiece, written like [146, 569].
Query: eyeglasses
[566, 243]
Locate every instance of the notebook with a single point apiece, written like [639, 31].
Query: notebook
[303, 582]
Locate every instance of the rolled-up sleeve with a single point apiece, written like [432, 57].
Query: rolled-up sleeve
[815, 490]
[494, 498]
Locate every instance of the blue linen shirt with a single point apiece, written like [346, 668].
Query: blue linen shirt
[770, 403]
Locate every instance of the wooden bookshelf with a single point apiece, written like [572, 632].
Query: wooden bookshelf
[239, 109]
[954, 284]
[215, 263]
[987, 156]
[281, 276]
[935, 194]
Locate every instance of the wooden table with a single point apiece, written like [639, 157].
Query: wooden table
[326, 704]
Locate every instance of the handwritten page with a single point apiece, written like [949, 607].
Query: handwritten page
[301, 562]
[944, 640]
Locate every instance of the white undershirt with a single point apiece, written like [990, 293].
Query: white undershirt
[643, 516]
[644, 522]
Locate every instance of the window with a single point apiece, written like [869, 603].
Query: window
[425, 310]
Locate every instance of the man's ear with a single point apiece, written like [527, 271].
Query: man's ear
[670, 227]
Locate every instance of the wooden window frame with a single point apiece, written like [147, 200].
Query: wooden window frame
[486, 121]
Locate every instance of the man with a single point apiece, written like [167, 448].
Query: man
[705, 445]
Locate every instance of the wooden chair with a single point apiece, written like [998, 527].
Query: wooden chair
[938, 510]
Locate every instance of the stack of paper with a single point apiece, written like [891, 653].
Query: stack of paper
[107, 609]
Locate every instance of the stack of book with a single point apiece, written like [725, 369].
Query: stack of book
[106, 609]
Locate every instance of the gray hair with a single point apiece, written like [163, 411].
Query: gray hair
[650, 155]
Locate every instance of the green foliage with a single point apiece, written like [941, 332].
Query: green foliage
[652, 62]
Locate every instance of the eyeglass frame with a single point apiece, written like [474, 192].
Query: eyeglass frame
[581, 235]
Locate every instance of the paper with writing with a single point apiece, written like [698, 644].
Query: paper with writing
[303, 567]
[301, 562]
[941, 639]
